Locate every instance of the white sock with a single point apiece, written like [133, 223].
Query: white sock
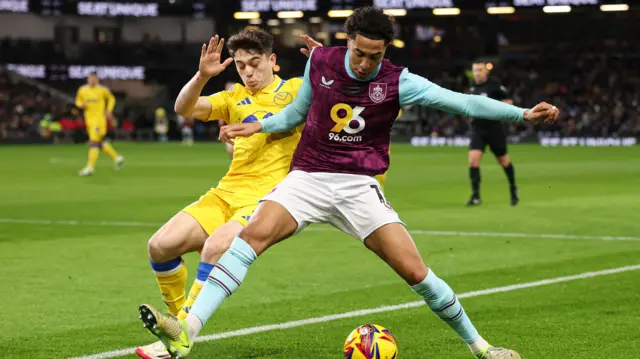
[194, 325]
[477, 346]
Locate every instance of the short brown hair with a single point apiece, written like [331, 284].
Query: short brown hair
[253, 40]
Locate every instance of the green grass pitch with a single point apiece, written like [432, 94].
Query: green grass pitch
[73, 266]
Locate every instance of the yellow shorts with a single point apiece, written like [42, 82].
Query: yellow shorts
[96, 132]
[217, 207]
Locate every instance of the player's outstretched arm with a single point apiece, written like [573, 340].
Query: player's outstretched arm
[289, 118]
[189, 102]
[416, 90]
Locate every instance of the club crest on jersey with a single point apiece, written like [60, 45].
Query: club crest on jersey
[377, 92]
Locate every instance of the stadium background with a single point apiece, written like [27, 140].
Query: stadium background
[555, 277]
[585, 61]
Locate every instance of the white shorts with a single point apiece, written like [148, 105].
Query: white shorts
[353, 204]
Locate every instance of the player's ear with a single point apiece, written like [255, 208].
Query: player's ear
[272, 59]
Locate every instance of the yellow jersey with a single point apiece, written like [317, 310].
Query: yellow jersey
[97, 100]
[260, 161]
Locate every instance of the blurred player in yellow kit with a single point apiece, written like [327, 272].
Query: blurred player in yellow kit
[97, 102]
[258, 164]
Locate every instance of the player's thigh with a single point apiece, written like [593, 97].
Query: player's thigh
[360, 205]
[180, 235]
[304, 196]
[393, 244]
[96, 129]
[210, 211]
[269, 224]
[220, 240]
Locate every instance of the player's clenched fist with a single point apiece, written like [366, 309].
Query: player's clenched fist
[229, 132]
[542, 112]
[210, 57]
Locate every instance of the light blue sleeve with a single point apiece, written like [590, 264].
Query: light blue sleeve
[416, 90]
[295, 113]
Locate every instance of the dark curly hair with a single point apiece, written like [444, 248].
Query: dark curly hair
[371, 23]
[253, 40]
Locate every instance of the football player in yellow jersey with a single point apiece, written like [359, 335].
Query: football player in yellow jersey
[97, 102]
[258, 164]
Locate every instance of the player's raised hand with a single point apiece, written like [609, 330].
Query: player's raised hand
[210, 57]
[542, 112]
[229, 132]
[311, 44]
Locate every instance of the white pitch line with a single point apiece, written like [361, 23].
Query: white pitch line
[324, 229]
[363, 312]
[51, 222]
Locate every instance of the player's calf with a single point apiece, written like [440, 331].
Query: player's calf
[214, 247]
[393, 244]
[180, 235]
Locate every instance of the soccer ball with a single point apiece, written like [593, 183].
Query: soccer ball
[370, 341]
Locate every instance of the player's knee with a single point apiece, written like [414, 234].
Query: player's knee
[218, 243]
[156, 249]
[504, 161]
[259, 235]
[163, 246]
[474, 158]
[415, 274]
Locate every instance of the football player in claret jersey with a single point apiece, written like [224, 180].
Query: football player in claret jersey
[258, 164]
[98, 103]
[357, 95]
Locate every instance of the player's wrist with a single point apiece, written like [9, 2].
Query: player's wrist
[202, 79]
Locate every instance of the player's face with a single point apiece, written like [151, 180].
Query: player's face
[365, 55]
[92, 80]
[256, 70]
[480, 73]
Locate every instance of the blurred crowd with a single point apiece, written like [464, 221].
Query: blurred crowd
[596, 91]
[22, 107]
[596, 88]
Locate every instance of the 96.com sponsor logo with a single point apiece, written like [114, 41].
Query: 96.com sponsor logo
[344, 138]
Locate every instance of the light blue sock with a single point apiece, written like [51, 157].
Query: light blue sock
[224, 279]
[441, 299]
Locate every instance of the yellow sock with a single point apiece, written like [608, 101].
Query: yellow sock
[193, 294]
[94, 152]
[171, 283]
[109, 150]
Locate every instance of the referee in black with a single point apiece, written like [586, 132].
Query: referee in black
[491, 133]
